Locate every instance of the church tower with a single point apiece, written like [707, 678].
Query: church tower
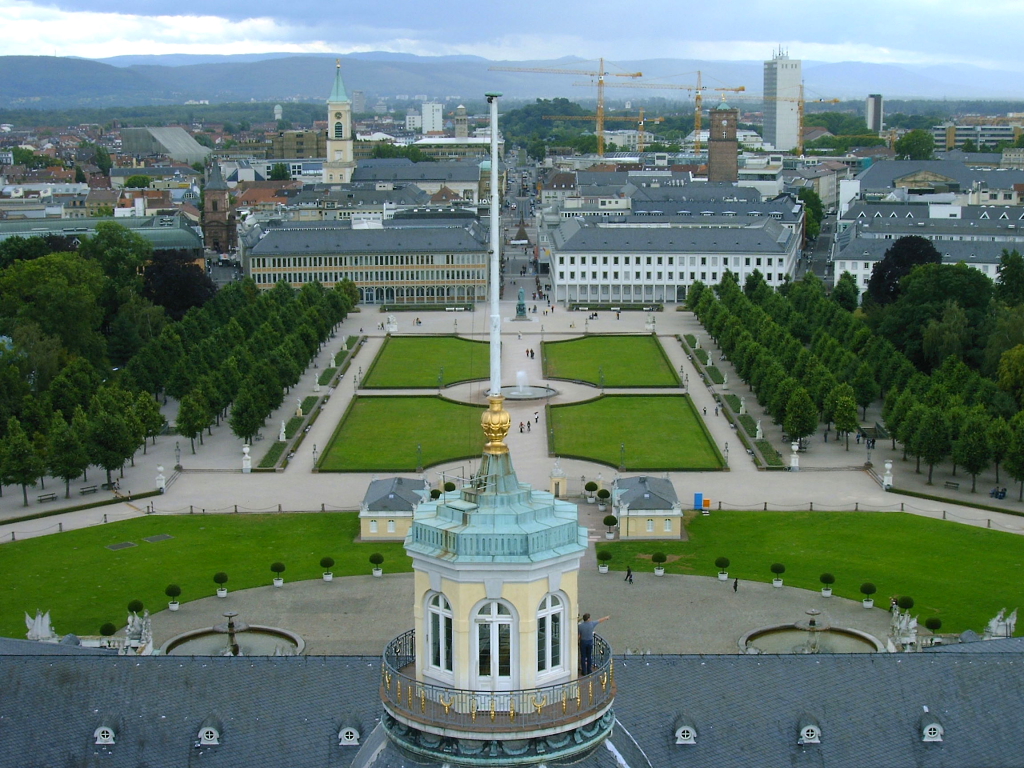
[340, 158]
[219, 231]
[723, 148]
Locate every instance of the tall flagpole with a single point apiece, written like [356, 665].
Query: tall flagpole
[495, 254]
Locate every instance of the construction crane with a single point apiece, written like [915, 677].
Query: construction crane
[698, 98]
[601, 74]
[800, 102]
[638, 120]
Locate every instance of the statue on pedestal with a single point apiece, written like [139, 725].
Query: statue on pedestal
[281, 436]
[521, 305]
[246, 460]
[760, 434]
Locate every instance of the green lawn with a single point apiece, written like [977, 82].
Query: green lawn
[381, 434]
[407, 362]
[959, 573]
[83, 584]
[626, 361]
[660, 432]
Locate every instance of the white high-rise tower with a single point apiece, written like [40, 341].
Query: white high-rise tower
[782, 79]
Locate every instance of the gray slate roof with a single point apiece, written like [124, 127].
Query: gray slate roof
[953, 251]
[394, 494]
[306, 240]
[645, 492]
[418, 172]
[883, 175]
[764, 237]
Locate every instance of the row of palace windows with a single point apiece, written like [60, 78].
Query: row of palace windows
[381, 260]
[781, 276]
[495, 627]
[671, 260]
[373, 526]
[374, 276]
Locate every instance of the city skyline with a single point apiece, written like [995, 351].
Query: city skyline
[917, 32]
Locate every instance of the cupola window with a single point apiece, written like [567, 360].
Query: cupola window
[494, 642]
[550, 621]
[440, 613]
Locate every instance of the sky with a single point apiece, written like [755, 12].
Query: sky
[985, 34]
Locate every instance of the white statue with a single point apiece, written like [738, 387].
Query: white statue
[39, 627]
[743, 405]
[246, 461]
[333, 364]
[760, 434]
[725, 381]
[281, 435]
[1001, 625]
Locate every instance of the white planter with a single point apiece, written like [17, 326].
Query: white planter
[278, 582]
[602, 568]
[826, 591]
[173, 605]
[776, 582]
[867, 602]
[328, 576]
[378, 572]
[601, 506]
[609, 534]
[659, 570]
[723, 575]
[591, 499]
[222, 591]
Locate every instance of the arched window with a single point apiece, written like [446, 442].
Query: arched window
[440, 631]
[550, 621]
[494, 642]
[339, 130]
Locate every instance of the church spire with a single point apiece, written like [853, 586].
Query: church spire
[338, 93]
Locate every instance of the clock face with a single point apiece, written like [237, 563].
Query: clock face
[337, 114]
[725, 123]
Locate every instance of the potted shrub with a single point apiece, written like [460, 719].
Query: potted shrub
[376, 559]
[933, 623]
[449, 487]
[590, 488]
[278, 568]
[868, 589]
[722, 564]
[172, 591]
[327, 563]
[827, 580]
[135, 606]
[611, 521]
[906, 602]
[435, 493]
[108, 630]
[658, 558]
[221, 578]
[602, 499]
[778, 569]
[603, 556]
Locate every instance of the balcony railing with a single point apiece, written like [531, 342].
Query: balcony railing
[550, 707]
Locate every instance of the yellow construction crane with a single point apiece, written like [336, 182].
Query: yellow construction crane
[601, 74]
[800, 102]
[638, 120]
[698, 98]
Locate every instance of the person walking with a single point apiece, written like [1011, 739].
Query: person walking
[735, 585]
[586, 629]
[629, 574]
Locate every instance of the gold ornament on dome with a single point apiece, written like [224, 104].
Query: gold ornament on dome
[496, 423]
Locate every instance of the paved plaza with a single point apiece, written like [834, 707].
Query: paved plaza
[663, 615]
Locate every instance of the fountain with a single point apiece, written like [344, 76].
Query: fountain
[242, 640]
[524, 391]
[809, 636]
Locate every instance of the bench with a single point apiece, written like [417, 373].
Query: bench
[952, 485]
[46, 497]
[88, 489]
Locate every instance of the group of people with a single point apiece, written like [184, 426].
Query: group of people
[529, 354]
[997, 493]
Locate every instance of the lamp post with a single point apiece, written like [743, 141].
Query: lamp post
[419, 457]
[727, 454]
[177, 455]
[315, 455]
[622, 457]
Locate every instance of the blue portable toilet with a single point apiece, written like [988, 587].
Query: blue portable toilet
[698, 501]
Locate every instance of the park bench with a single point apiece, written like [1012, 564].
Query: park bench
[953, 486]
[46, 497]
[88, 489]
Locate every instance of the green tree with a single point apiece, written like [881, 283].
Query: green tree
[801, 415]
[103, 160]
[971, 449]
[67, 457]
[147, 411]
[280, 172]
[21, 464]
[1014, 459]
[79, 175]
[932, 439]
[999, 436]
[969, 146]
[248, 412]
[1011, 373]
[1010, 278]
[898, 261]
[845, 416]
[946, 337]
[865, 388]
[915, 145]
[846, 292]
[137, 181]
[193, 416]
[113, 431]
[814, 212]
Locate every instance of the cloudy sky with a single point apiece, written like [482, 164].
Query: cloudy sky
[883, 31]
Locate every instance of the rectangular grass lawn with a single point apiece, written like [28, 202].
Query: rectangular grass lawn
[959, 573]
[381, 434]
[411, 362]
[83, 584]
[625, 361]
[660, 432]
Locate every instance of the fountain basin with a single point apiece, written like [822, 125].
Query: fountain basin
[797, 638]
[527, 392]
[254, 640]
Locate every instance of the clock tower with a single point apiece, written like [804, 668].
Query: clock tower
[340, 159]
[723, 149]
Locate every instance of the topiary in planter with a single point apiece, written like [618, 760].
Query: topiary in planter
[590, 487]
[449, 486]
[906, 602]
[611, 521]
[778, 569]
[135, 606]
[172, 591]
[722, 563]
[604, 494]
[934, 623]
[327, 562]
[108, 629]
[604, 555]
[827, 579]
[377, 558]
[868, 589]
[277, 568]
[659, 558]
[220, 578]
[435, 493]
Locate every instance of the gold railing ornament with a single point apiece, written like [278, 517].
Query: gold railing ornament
[579, 698]
[446, 704]
[472, 709]
[494, 712]
[604, 681]
[398, 684]
[512, 709]
[565, 700]
[387, 680]
[423, 700]
[590, 691]
[409, 698]
[542, 704]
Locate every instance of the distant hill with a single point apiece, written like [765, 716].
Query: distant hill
[44, 82]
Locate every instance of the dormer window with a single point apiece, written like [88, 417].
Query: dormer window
[686, 734]
[810, 732]
[932, 732]
[104, 735]
[208, 736]
[348, 737]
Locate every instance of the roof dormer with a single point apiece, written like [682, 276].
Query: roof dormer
[809, 730]
[209, 732]
[685, 732]
[105, 734]
[931, 728]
